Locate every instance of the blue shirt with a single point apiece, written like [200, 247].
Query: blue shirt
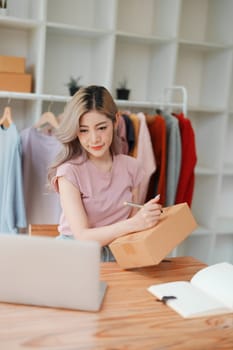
[12, 211]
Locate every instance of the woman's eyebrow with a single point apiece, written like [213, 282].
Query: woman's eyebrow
[98, 124]
[83, 126]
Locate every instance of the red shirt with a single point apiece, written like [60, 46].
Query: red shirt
[188, 161]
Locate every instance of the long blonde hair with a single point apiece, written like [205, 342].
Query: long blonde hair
[87, 99]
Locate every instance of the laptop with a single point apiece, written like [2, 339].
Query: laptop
[44, 271]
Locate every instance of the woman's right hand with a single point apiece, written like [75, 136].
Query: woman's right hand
[148, 215]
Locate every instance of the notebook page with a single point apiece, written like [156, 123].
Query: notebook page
[217, 281]
[190, 301]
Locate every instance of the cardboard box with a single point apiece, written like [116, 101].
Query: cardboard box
[150, 246]
[15, 82]
[12, 64]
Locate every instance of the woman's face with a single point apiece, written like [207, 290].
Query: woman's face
[95, 134]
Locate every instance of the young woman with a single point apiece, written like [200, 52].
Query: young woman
[93, 179]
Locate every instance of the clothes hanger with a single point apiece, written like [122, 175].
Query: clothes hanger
[6, 120]
[47, 118]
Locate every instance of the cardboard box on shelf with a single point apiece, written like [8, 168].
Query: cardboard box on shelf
[15, 82]
[149, 247]
[12, 64]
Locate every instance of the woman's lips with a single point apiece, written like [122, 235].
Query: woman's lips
[97, 148]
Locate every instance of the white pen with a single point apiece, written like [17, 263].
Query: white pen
[131, 204]
[136, 205]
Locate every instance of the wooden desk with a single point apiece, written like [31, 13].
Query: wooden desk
[130, 318]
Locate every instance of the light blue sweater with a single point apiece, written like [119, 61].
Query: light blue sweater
[12, 211]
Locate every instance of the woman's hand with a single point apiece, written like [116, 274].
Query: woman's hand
[148, 215]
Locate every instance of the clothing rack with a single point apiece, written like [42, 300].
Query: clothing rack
[169, 92]
[165, 101]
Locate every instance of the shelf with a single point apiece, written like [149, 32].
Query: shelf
[153, 18]
[228, 169]
[59, 28]
[223, 248]
[206, 109]
[200, 230]
[202, 170]
[206, 21]
[209, 146]
[204, 202]
[82, 13]
[13, 22]
[83, 56]
[224, 225]
[201, 71]
[153, 45]
[152, 61]
[143, 39]
[204, 46]
[225, 198]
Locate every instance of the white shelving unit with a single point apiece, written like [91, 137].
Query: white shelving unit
[154, 44]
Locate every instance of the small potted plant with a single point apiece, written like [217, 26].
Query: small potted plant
[123, 91]
[74, 85]
[3, 7]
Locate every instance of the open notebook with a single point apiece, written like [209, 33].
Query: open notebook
[209, 292]
[49, 272]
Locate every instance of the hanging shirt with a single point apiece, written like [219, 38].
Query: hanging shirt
[39, 152]
[136, 126]
[12, 211]
[157, 129]
[189, 159]
[173, 157]
[103, 193]
[145, 155]
[121, 131]
[130, 135]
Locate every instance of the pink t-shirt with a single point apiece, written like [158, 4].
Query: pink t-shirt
[103, 194]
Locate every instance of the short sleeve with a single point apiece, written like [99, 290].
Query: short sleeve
[136, 171]
[66, 170]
